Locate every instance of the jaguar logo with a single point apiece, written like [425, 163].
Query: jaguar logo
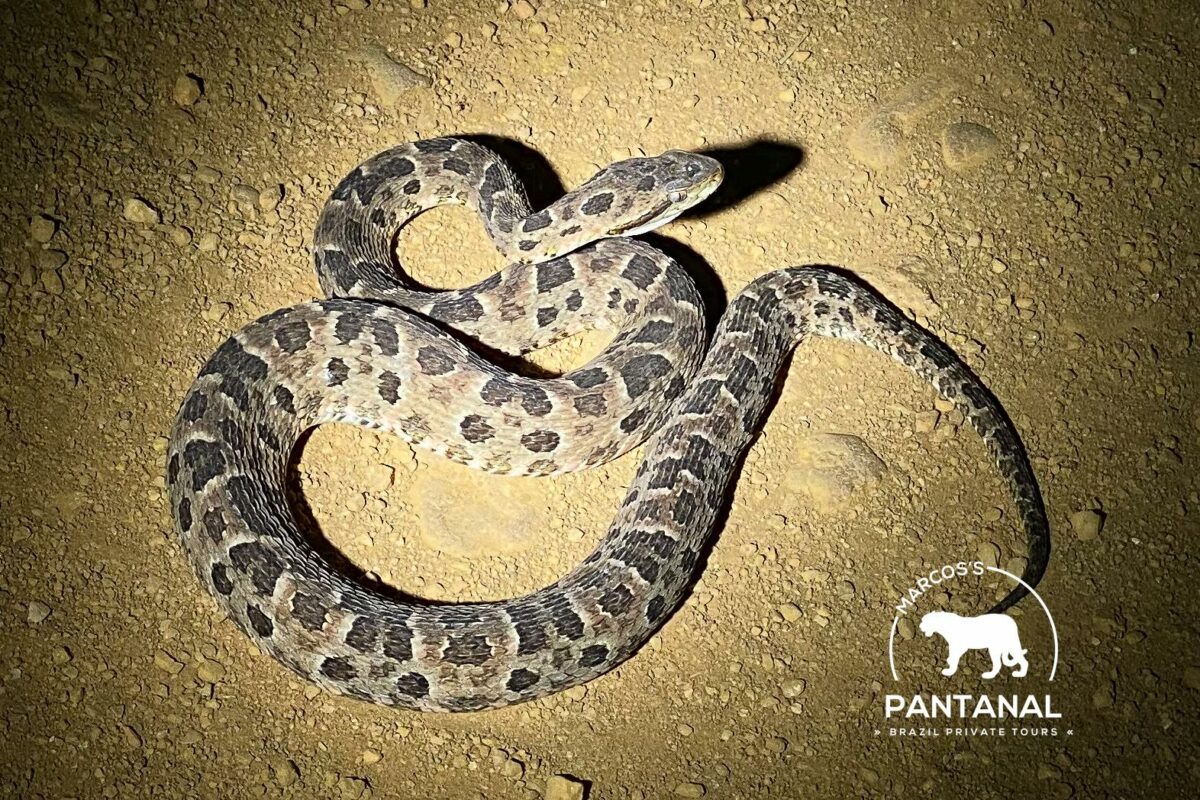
[996, 633]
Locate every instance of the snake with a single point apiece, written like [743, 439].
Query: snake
[387, 353]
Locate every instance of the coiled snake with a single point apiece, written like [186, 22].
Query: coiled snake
[382, 354]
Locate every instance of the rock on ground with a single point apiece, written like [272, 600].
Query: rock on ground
[829, 466]
[967, 144]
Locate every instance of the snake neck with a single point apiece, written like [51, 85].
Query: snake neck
[543, 235]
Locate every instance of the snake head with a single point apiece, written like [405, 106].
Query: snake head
[662, 188]
[627, 198]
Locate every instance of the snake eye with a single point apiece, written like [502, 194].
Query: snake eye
[676, 197]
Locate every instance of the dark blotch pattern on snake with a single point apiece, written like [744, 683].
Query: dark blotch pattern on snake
[383, 354]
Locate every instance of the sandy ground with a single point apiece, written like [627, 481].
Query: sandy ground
[162, 169]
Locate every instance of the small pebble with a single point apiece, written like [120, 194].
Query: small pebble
[180, 236]
[270, 198]
[1087, 524]
[389, 78]
[52, 282]
[790, 612]
[132, 738]
[187, 90]
[877, 142]
[563, 787]
[498, 755]
[351, 788]
[926, 421]
[943, 405]
[286, 772]
[210, 671]
[690, 789]
[168, 663]
[988, 553]
[828, 467]
[139, 211]
[1016, 565]
[523, 9]
[380, 477]
[370, 757]
[244, 194]
[207, 175]
[51, 259]
[37, 612]
[42, 229]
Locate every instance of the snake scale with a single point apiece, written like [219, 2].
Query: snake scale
[389, 355]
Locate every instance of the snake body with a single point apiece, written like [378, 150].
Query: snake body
[387, 355]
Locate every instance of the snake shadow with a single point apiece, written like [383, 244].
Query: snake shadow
[543, 184]
[749, 169]
[306, 522]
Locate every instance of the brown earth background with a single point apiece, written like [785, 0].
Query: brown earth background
[162, 169]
